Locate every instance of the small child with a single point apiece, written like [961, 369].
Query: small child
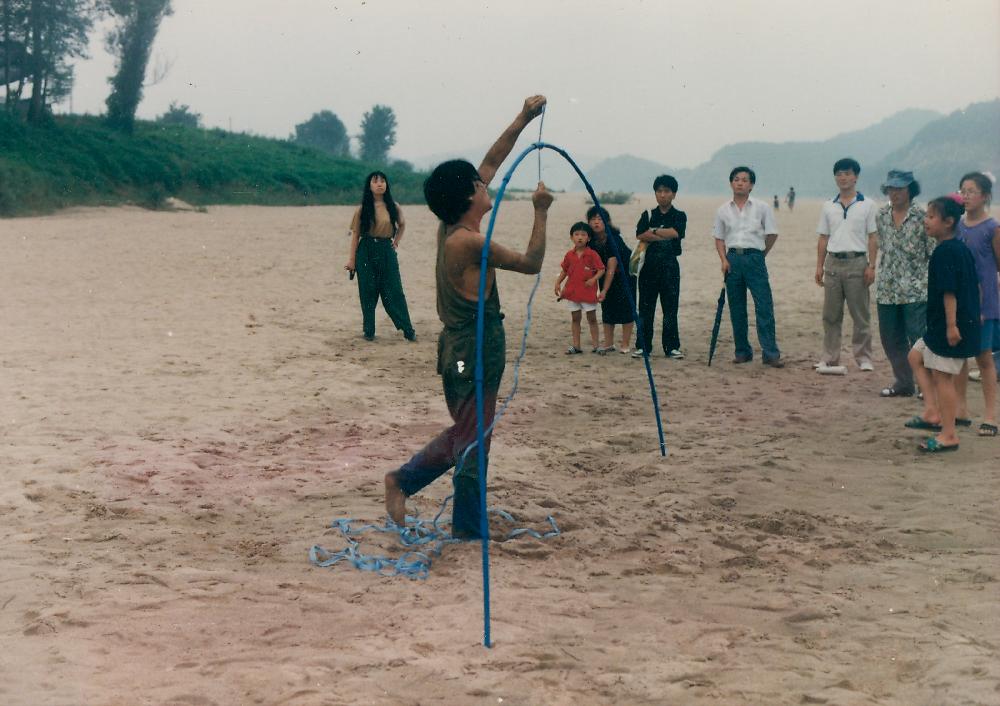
[581, 269]
[952, 325]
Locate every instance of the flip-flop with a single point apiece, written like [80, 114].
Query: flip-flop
[963, 422]
[987, 429]
[921, 423]
[573, 350]
[933, 446]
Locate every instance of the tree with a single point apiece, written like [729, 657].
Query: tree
[39, 39]
[131, 42]
[13, 56]
[378, 133]
[180, 115]
[326, 132]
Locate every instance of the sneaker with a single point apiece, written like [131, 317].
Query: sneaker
[624, 351]
[573, 350]
[676, 354]
[866, 366]
[976, 375]
[637, 353]
[774, 362]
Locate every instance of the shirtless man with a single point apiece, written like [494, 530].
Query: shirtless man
[456, 192]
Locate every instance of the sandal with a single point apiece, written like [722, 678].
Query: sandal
[933, 446]
[919, 422]
[987, 429]
[893, 392]
[963, 422]
[625, 350]
[573, 350]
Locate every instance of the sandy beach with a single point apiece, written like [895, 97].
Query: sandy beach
[188, 403]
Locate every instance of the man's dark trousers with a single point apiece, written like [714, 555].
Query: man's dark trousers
[659, 279]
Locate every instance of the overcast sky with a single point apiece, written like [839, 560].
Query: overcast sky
[669, 80]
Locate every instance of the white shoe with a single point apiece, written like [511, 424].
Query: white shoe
[637, 353]
[625, 350]
[676, 354]
[866, 366]
[976, 375]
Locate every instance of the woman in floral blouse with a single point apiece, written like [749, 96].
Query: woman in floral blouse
[901, 280]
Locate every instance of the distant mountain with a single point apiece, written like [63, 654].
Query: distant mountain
[806, 165]
[940, 153]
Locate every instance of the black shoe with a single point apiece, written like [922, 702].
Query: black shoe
[369, 338]
[774, 362]
[893, 391]
[742, 359]
[411, 336]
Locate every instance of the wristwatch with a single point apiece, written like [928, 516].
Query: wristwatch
[654, 231]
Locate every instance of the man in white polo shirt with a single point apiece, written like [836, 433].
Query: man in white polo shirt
[845, 265]
[745, 232]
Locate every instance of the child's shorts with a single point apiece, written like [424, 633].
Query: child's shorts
[933, 361]
[580, 306]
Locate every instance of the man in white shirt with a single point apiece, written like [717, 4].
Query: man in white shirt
[845, 265]
[745, 232]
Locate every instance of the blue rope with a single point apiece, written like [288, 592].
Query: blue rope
[480, 334]
[416, 532]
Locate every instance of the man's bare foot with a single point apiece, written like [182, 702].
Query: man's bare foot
[395, 500]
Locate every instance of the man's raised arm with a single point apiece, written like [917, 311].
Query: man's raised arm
[530, 262]
[505, 143]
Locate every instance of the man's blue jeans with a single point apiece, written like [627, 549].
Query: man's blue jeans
[900, 326]
[748, 271]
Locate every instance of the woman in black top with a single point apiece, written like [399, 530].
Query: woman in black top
[616, 306]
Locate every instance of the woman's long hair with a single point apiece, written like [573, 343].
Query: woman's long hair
[368, 205]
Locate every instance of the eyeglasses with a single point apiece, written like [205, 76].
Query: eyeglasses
[969, 192]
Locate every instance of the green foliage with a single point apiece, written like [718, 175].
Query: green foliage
[43, 36]
[378, 134]
[180, 115]
[614, 197]
[324, 131]
[78, 160]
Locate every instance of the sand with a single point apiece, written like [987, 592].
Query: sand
[188, 403]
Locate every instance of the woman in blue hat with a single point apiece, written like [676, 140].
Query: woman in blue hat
[901, 278]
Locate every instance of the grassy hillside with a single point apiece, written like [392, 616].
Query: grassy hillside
[77, 161]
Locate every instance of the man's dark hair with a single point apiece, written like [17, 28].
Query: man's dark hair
[585, 227]
[665, 180]
[847, 164]
[449, 189]
[750, 173]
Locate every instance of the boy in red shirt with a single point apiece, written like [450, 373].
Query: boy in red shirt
[581, 270]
